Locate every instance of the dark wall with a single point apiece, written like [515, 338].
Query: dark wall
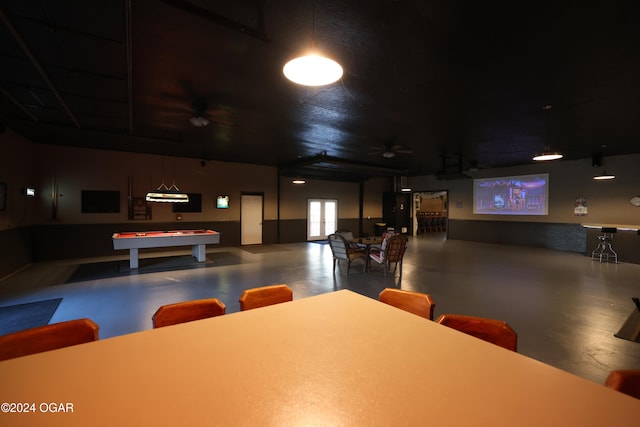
[562, 237]
[63, 241]
[15, 250]
[22, 246]
[625, 243]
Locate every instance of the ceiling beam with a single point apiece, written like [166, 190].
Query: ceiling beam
[201, 12]
[36, 64]
[19, 105]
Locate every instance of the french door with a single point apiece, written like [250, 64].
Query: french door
[322, 218]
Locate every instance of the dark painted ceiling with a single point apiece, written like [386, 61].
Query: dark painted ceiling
[446, 85]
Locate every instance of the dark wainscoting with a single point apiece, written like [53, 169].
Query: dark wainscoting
[562, 237]
[50, 242]
[15, 250]
[626, 243]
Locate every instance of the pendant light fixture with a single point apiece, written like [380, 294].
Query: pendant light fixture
[312, 68]
[547, 154]
[596, 162]
[164, 194]
[604, 176]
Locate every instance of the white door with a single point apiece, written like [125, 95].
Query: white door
[251, 219]
[322, 218]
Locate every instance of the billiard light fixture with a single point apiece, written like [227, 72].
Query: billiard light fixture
[164, 194]
[312, 68]
[547, 154]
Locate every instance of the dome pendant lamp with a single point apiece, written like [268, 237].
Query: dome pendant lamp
[312, 68]
[547, 154]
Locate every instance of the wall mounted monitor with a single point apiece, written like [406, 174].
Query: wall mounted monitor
[512, 195]
[193, 205]
[222, 202]
[99, 201]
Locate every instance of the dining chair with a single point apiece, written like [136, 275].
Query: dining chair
[265, 295]
[494, 331]
[413, 302]
[47, 337]
[186, 311]
[626, 381]
[343, 252]
[391, 251]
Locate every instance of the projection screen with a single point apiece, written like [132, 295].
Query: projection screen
[511, 195]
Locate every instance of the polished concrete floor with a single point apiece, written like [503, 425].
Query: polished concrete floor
[564, 307]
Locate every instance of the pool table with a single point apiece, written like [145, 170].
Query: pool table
[197, 239]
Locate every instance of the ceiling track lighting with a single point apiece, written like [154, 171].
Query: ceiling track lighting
[312, 68]
[164, 194]
[547, 154]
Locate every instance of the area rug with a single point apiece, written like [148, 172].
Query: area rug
[319, 242]
[18, 317]
[109, 269]
[262, 249]
[630, 330]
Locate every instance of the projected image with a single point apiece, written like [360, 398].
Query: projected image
[512, 195]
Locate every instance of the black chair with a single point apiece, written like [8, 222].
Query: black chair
[342, 251]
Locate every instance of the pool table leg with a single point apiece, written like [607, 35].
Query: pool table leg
[199, 252]
[133, 258]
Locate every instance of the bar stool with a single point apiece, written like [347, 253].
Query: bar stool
[604, 249]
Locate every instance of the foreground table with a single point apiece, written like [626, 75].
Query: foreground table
[338, 359]
[197, 239]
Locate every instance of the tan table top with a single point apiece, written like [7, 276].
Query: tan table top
[338, 359]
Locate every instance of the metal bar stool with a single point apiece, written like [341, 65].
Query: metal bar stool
[604, 251]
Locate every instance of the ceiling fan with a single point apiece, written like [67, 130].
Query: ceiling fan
[199, 113]
[390, 150]
[199, 109]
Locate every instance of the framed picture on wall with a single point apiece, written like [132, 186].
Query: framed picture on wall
[3, 196]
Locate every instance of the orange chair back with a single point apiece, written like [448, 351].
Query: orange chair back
[413, 302]
[47, 337]
[265, 295]
[187, 311]
[494, 331]
[626, 381]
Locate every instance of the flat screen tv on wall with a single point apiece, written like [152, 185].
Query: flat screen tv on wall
[100, 201]
[512, 195]
[193, 205]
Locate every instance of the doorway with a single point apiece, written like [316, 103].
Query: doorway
[251, 216]
[322, 218]
[431, 213]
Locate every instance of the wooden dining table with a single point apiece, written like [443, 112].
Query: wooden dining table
[336, 359]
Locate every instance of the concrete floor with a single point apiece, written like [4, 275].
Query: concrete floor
[564, 307]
